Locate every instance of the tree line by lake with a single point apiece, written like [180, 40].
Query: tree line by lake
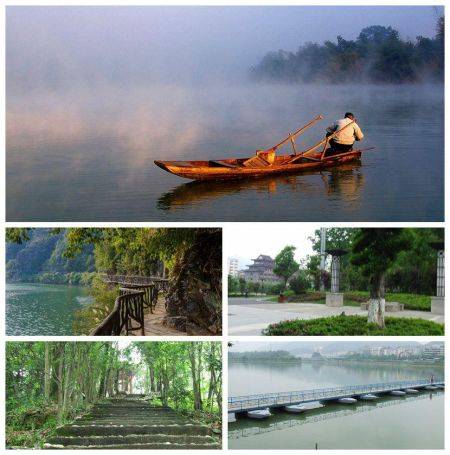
[377, 55]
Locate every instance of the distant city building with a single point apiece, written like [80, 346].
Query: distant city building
[261, 270]
[233, 267]
[317, 356]
[433, 351]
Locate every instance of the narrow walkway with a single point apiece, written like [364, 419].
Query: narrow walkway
[131, 423]
[153, 322]
[251, 316]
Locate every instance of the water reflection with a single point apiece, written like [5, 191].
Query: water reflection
[87, 154]
[343, 182]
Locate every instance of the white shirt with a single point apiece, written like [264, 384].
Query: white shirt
[349, 135]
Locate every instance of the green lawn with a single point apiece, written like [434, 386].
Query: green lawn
[354, 325]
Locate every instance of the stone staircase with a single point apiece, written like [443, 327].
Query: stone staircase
[131, 423]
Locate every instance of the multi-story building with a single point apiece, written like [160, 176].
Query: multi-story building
[233, 267]
[261, 270]
[433, 351]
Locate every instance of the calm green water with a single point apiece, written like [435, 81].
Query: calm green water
[42, 309]
[413, 422]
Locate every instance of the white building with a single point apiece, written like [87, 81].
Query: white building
[233, 267]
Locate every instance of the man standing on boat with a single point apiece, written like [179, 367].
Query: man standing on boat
[343, 141]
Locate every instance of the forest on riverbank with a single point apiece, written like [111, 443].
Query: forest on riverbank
[48, 384]
[42, 259]
[190, 258]
[378, 55]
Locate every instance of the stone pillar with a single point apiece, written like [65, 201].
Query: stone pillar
[335, 298]
[437, 302]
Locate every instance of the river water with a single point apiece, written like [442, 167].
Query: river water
[87, 154]
[43, 309]
[412, 422]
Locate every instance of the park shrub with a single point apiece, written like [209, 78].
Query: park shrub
[354, 325]
[299, 283]
[411, 301]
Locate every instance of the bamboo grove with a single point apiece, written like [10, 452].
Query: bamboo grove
[50, 383]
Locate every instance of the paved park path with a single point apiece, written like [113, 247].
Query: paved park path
[131, 423]
[250, 316]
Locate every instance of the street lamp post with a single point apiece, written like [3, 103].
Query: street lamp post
[437, 302]
[335, 298]
[323, 241]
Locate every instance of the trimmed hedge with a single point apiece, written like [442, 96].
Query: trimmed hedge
[354, 325]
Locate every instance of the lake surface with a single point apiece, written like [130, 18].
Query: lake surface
[43, 309]
[87, 154]
[412, 422]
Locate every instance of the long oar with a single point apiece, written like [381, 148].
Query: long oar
[316, 146]
[292, 136]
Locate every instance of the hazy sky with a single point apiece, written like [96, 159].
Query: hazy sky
[188, 43]
[246, 242]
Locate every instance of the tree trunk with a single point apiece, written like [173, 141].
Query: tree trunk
[47, 373]
[377, 300]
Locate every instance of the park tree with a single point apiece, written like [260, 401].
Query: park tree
[285, 264]
[374, 251]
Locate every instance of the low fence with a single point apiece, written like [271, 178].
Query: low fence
[128, 310]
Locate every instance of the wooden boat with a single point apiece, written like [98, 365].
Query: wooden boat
[264, 162]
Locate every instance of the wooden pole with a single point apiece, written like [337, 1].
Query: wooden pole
[298, 132]
[314, 147]
[293, 144]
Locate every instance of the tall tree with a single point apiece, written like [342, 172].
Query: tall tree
[285, 264]
[374, 251]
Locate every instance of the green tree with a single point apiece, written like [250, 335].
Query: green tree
[285, 264]
[374, 252]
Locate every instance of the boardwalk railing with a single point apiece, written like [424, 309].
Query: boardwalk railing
[128, 310]
[151, 285]
[133, 279]
[136, 293]
[260, 401]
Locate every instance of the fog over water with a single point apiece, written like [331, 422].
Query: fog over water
[59, 47]
[95, 94]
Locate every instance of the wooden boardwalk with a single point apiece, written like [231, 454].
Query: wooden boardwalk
[153, 322]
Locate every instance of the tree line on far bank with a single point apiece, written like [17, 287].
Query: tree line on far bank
[378, 55]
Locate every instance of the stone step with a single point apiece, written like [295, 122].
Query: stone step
[113, 421]
[124, 429]
[113, 439]
[120, 408]
[133, 416]
[134, 411]
[151, 446]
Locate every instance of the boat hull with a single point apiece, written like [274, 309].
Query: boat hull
[201, 170]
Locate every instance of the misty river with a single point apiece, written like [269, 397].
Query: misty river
[87, 154]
